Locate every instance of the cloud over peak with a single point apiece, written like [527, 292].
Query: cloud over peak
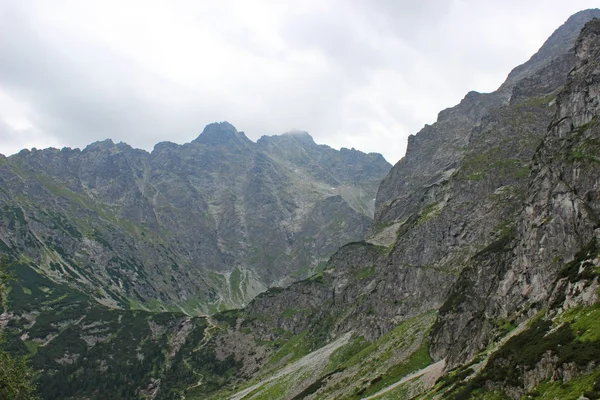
[351, 73]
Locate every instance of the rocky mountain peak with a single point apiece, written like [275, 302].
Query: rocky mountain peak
[588, 44]
[480, 278]
[291, 138]
[220, 133]
[562, 192]
[433, 153]
[300, 135]
[579, 104]
[107, 146]
[100, 145]
[165, 146]
[222, 206]
[559, 43]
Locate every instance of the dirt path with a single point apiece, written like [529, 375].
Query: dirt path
[312, 360]
[431, 371]
[208, 333]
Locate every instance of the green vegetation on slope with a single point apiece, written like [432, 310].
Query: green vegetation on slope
[15, 374]
[86, 350]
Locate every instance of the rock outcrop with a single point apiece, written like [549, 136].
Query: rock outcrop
[559, 218]
[482, 262]
[202, 226]
[477, 221]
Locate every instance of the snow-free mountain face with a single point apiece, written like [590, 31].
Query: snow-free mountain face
[478, 278]
[202, 226]
[483, 232]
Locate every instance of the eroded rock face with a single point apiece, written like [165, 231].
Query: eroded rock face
[474, 224]
[464, 241]
[435, 151]
[431, 156]
[205, 225]
[559, 218]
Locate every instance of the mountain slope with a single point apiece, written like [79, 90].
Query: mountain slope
[197, 227]
[433, 153]
[479, 278]
[548, 264]
[459, 243]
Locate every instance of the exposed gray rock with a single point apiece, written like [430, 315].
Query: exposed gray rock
[205, 225]
[491, 217]
[560, 217]
[486, 208]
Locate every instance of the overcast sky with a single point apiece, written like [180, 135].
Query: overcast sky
[353, 73]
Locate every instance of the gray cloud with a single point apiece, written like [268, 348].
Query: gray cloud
[85, 94]
[352, 73]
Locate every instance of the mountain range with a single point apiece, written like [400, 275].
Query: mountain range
[477, 278]
[198, 227]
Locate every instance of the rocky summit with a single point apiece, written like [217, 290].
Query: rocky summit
[198, 227]
[477, 278]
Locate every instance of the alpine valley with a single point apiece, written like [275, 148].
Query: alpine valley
[473, 275]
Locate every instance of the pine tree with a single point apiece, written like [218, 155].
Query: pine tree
[15, 374]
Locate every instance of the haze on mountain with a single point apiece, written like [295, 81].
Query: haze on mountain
[198, 228]
[478, 276]
[351, 73]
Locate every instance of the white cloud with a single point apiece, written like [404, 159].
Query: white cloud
[361, 74]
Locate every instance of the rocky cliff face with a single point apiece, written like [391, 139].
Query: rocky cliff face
[476, 222]
[559, 219]
[433, 153]
[481, 268]
[204, 225]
